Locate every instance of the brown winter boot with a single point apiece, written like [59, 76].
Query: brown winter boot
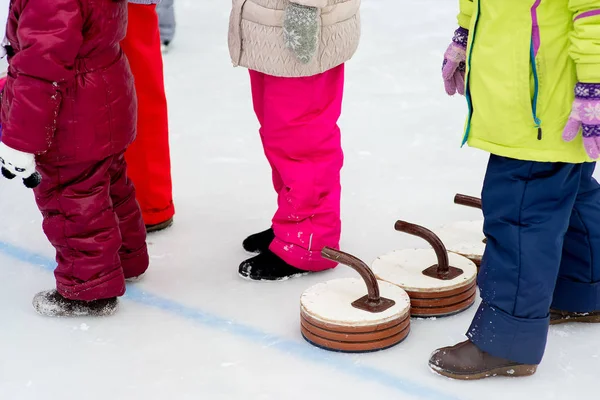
[465, 361]
[563, 317]
[159, 227]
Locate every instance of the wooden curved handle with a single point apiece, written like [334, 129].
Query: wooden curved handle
[359, 266]
[372, 302]
[467, 201]
[443, 265]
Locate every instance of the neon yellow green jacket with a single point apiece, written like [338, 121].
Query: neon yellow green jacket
[523, 60]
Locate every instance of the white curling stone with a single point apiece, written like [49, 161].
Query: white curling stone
[463, 237]
[405, 269]
[331, 302]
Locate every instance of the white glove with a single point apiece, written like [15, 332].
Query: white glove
[301, 31]
[16, 163]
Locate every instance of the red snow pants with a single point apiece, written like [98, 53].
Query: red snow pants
[93, 221]
[302, 141]
[148, 158]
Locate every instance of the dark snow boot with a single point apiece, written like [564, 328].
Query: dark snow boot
[268, 267]
[259, 242]
[563, 317]
[53, 304]
[465, 361]
[159, 227]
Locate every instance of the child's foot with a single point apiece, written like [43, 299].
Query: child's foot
[159, 227]
[134, 279]
[53, 304]
[563, 317]
[164, 47]
[259, 242]
[268, 267]
[466, 361]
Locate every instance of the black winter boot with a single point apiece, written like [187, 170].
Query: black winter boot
[259, 242]
[268, 267]
[53, 304]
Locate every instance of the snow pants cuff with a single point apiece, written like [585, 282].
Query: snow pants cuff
[135, 263]
[574, 296]
[105, 287]
[521, 340]
[155, 217]
[299, 257]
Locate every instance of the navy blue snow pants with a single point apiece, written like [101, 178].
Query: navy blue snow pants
[542, 223]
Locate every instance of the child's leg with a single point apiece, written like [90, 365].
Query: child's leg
[148, 157]
[302, 141]
[80, 223]
[578, 285]
[133, 252]
[257, 83]
[166, 18]
[527, 206]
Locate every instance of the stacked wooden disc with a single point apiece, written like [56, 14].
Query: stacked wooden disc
[439, 283]
[465, 237]
[335, 317]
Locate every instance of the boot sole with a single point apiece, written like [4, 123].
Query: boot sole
[58, 313]
[159, 227]
[588, 319]
[511, 371]
[285, 278]
[257, 251]
[134, 279]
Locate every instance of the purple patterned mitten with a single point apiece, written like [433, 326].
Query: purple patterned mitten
[453, 69]
[586, 116]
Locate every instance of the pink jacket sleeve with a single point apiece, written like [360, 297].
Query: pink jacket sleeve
[49, 35]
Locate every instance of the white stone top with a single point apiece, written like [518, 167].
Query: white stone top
[331, 302]
[405, 269]
[464, 237]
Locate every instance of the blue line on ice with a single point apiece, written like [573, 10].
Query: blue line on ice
[298, 349]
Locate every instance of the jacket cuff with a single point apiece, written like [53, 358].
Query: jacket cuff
[588, 73]
[466, 12]
[21, 146]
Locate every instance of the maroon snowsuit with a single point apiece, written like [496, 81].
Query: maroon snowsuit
[70, 100]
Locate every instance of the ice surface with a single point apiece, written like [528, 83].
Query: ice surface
[192, 329]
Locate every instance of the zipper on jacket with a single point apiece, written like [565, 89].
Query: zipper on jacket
[536, 90]
[535, 42]
[468, 73]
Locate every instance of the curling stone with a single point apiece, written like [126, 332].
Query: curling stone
[438, 282]
[336, 315]
[465, 237]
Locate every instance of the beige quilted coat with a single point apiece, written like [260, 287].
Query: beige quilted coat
[256, 36]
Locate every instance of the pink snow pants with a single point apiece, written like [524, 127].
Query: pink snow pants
[302, 141]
